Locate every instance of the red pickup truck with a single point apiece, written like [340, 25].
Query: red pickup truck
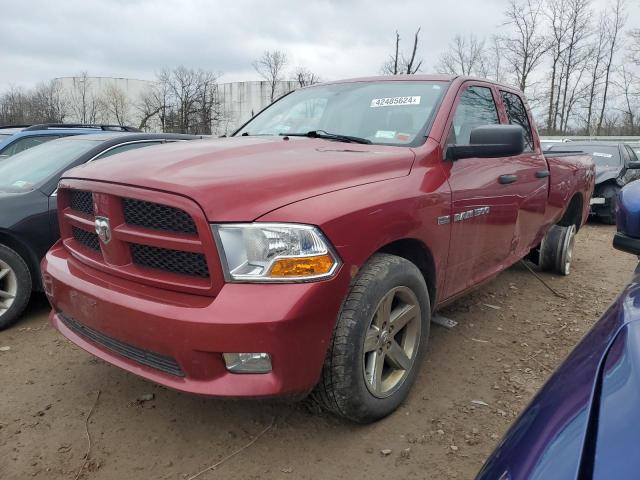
[308, 252]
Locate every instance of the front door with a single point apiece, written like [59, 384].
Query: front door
[484, 193]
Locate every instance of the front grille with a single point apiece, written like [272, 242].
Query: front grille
[150, 359]
[157, 217]
[81, 201]
[175, 261]
[88, 239]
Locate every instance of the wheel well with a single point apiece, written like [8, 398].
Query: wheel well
[417, 253]
[26, 254]
[573, 213]
[605, 185]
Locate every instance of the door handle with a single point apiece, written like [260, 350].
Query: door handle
[505, 179]
[542, 173]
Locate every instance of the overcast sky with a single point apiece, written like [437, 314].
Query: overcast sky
[43, 39]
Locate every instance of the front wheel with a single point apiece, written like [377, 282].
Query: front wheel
[15, 286]
[379, 341]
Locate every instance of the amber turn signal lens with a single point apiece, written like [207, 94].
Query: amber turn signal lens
[302, 266]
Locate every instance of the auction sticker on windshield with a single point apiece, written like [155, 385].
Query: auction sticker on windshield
[391, 101]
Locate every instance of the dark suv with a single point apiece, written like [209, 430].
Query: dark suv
[28, 200]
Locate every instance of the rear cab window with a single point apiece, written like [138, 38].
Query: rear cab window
[517, 115]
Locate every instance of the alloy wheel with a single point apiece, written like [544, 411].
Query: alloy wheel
[8, 287]
[391, 342]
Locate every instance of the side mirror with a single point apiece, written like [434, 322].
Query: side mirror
[627, 238]
[635, 165]
[490, 141]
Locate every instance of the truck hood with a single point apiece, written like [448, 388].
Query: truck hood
[242, 178]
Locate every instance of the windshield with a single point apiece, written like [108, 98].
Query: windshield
[386, 112]
[26, 170]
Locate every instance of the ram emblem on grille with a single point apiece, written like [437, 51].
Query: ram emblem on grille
[103, 229]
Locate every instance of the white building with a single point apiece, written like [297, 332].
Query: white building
[242, 100]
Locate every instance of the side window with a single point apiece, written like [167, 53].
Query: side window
[625, 155]
[631, 154]
[25, 143]
[125, 148]
[475, 109]
[518, 116]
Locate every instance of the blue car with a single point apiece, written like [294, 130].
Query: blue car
[17, 138]
[585, 422]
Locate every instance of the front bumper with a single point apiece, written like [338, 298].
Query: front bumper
[177, 339]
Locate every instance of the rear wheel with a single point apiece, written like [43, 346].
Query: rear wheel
[556, 250]
[378, 343]
[15, 286]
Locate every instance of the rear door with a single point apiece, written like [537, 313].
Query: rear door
[485, 195]
[532, 184]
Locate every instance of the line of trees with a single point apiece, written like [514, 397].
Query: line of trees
[180, 100]
[577, 66]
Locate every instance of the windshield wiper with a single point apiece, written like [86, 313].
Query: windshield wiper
[328, 136]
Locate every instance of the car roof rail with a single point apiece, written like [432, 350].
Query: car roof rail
[115, 128]
[14, 126]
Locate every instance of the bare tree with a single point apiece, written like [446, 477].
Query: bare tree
[526, 46]
[182, 100]
[573, 58]
[390, 67]
[14, 107]
[628, 84]
[596, 61]
[465, 56]
[411, 66]
[634, 47]
[556, 14]
[399, 64]
[494, 66]
[305, 77]
[117, 103]
[617, 19]
[270, 66]
[154, 102]
[49, 103]
[84, 103]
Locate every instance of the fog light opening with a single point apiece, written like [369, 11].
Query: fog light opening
[247, 362]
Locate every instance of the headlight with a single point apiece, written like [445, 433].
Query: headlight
[274, 252]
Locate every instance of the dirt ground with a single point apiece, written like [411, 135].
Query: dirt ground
[477, 377]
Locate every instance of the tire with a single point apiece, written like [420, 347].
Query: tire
[609, 216]
[556, 249]
[386, 283]
[15, 286]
